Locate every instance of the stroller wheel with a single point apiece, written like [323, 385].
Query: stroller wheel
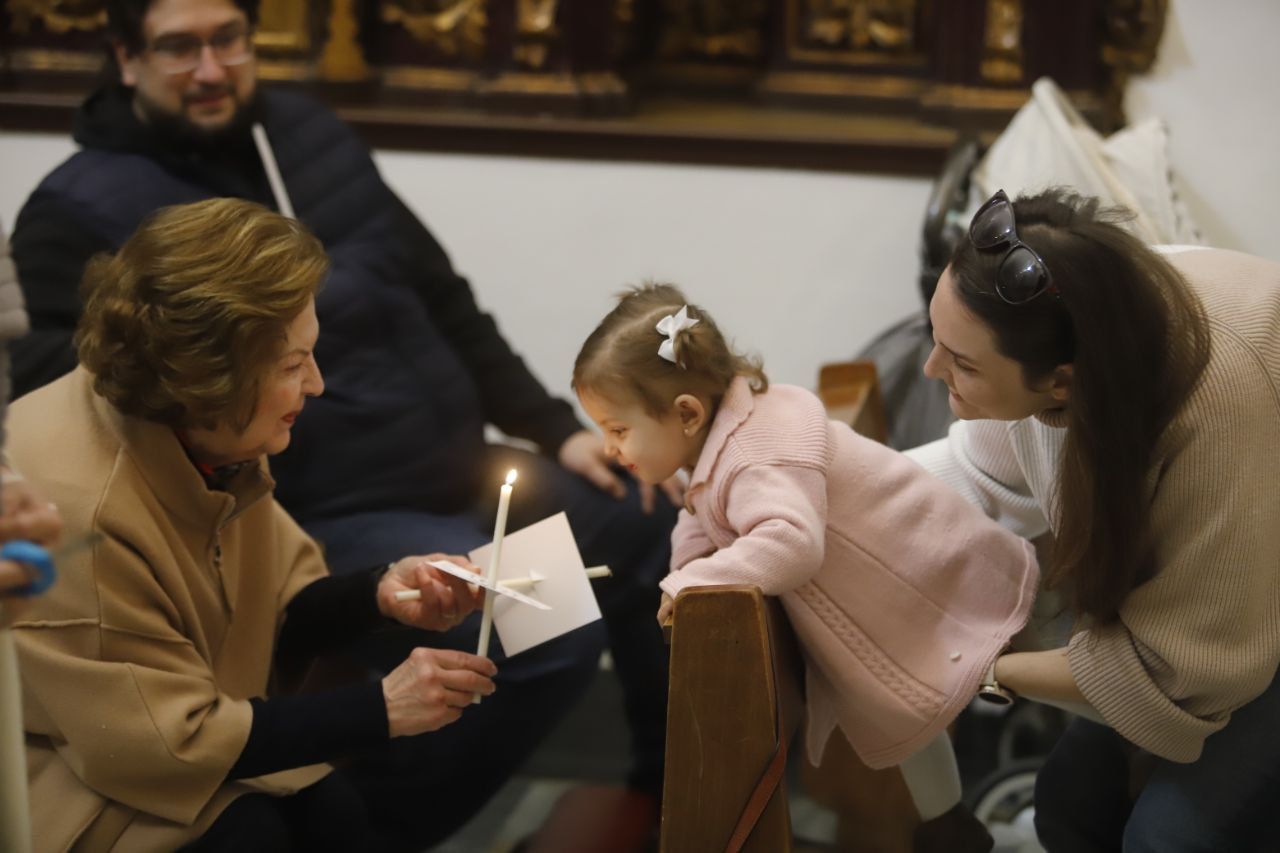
[1005, 802]
[1029, 730]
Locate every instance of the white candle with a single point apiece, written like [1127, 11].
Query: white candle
[499, 530]
[532, 581]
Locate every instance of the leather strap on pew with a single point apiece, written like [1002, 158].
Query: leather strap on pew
[767, 784]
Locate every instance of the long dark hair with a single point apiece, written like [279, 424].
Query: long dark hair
[1137, 339]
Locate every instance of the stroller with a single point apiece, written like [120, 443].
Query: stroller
[1046, 144]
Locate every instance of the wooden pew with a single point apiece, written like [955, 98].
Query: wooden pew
[734, 701]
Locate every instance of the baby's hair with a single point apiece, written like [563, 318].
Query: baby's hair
[621, 356]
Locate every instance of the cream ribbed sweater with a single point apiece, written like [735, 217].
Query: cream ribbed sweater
[1201, 638]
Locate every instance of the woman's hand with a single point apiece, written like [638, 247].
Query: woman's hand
[429, 690]
[24, 513]
[445, 602]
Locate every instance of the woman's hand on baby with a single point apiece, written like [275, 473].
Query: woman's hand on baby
[665, 610]
[444, 600]
[429, 690]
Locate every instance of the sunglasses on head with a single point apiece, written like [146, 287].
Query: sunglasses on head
[1021, 275]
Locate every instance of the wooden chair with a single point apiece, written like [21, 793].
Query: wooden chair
[735, 699]
[851, 393]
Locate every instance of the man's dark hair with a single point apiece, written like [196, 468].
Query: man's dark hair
[124, 20]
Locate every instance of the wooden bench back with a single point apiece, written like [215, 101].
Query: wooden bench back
[734, 667]
[851, 393]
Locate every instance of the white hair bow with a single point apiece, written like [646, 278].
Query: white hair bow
[672, 325]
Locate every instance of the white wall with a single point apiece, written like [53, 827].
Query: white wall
[800, 267]
[1210, 86]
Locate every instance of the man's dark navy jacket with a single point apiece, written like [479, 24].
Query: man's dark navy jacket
[413, 369]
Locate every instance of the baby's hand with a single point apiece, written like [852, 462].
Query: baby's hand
[665, 610]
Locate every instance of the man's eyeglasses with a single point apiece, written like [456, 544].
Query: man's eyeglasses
[180, 54]
[1022, 274]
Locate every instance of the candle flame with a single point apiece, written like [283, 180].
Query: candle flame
[511, 476]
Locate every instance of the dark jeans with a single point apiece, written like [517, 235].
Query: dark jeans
[1228, 800]
[329, 815]
[420, 790]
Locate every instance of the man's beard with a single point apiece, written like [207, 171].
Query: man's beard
[188, 134]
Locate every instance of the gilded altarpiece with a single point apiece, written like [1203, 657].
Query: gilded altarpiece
[886, 75]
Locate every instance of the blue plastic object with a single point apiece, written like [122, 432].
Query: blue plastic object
[37, 558]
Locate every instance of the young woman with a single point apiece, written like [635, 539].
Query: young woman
[1128, 399]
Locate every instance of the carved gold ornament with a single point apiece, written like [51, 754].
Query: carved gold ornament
[1133, 29]
[452, 26]
[881, 25]
[341, 59]
[536, 31]
[714, 28]
[1002, 42]
[58, 16]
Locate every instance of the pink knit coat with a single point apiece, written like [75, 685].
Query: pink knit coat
[900, 591]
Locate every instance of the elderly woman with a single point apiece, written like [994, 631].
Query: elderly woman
[151, 669]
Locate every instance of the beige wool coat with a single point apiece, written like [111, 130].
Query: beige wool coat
[138, 664]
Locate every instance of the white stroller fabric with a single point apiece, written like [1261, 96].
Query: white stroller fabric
[1048, 143]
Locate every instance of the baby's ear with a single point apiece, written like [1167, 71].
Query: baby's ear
[691, 412]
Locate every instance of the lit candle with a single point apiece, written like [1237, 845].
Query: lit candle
[499, 530]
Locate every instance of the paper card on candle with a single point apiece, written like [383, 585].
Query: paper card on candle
[479, 580]
[547, 549]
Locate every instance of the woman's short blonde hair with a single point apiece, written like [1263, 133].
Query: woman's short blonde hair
[180, 325]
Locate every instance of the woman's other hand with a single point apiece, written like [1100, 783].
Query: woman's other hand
[429, 690]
